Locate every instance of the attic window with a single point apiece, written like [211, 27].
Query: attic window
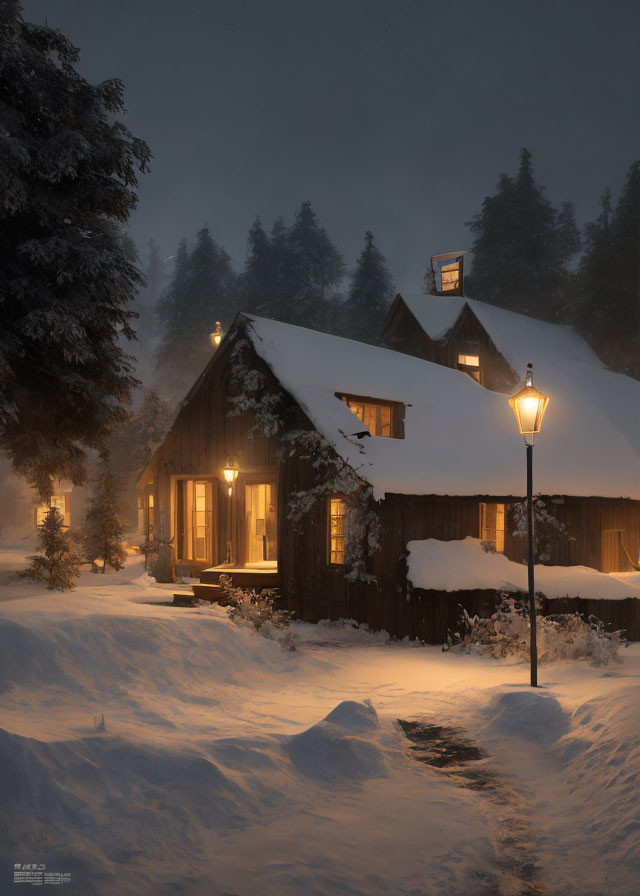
[470, 364]
[382, 418]
[448, 273]
[492, 525]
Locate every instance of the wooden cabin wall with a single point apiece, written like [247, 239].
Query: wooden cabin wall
[314, 590]
[402, 333]
[202, 441]
[468, 336]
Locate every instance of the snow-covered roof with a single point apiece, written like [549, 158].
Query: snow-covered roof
[463, 565]
[460, 439]
[562, 361]
[516, 336]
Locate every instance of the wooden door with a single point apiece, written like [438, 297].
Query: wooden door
[611, 556]
[260, 522]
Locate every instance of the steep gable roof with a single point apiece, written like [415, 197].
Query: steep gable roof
[460, 439]
[563, 361]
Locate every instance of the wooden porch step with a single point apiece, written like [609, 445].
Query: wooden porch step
[184, 599]
[209, 591]
[242, 578]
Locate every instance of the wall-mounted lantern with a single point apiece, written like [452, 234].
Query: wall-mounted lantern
[230, 473]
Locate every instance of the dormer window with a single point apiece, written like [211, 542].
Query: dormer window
[448, 274]
[382, 418]
[470, 364]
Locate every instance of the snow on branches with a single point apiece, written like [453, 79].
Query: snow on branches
[250, 392]
[273, 414]
[546, 527]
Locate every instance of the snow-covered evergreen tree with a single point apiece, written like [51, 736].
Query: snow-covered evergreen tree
[521, 248]
[68, 170]
[369, 296]
[56, 565]
[290, 272]
[203, 289]
[609, 279]
[102, 530]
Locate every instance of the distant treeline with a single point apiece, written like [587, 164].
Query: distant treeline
[524, 259]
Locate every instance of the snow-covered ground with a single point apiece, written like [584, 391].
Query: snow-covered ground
[230, 766]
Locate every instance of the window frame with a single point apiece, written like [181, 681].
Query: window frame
[397, 409]
[332, 564]
[483, 528]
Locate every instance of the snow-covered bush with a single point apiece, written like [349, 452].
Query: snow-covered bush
[505, 635]
[546, 528]
[257, 608]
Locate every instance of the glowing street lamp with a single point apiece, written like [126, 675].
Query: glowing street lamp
[216, 336]
[529, 406]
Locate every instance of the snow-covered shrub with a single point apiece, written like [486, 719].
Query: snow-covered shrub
[57, 565]
[505, 635]
[546, 528]
[257, 608]
[157, 552]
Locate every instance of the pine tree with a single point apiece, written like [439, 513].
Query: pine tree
[256, 286]
[316, 265]
[521, 248]
[609, 279]
[68, 170]
[203, 289]
[102, 530]
[56, 565]
[369, 296]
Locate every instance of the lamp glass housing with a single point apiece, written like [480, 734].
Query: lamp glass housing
[230, 473]
[529, 406]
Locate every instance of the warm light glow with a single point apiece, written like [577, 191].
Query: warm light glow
[469, 360]
[529, 406]
[216, 336]
[230, 473]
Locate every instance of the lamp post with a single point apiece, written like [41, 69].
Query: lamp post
[529, 406]
[230, 473]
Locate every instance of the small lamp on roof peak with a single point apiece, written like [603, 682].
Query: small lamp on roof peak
[529, 406]
[216, 336]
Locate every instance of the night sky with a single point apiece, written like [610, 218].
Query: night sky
[392, 116]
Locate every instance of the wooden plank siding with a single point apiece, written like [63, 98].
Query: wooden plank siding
[402, 332]
[203, 439]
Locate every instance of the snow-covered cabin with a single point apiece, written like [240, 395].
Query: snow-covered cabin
[346, 452]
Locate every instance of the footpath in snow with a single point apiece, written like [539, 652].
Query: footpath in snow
[230, 766]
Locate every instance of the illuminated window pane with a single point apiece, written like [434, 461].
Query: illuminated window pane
[469, 360]
[376, 416]
[337, 510]
[492, 525]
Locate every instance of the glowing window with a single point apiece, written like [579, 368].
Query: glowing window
[336, 534]
[450, 274]
[194, 504]
[60, 504]
[492, 525]
[377, 416]
[470, 364]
